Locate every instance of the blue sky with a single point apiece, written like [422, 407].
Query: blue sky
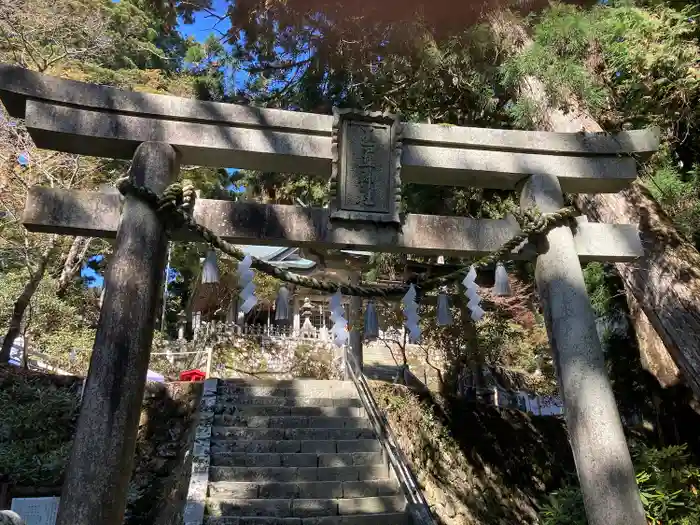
[204, 25]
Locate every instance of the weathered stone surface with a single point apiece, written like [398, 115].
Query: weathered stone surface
[94, 213]
[243, 433]
[309, 489]
[252, 390]
[328, 434]
[260, 474]
[235, 489]
[335, 460]
[368, 488]
[289, 422]
[251, 520]
[238, 420]
[393, 518]
[359, 445]
[642, 142]
[247, 459]
[299, 460]
[78, 117]
[365, 182]
[18, 84]
[214, 144]
[201, 459]
[314, 507]
[104, 442]
[243, 399]
[371, 505]
[303, 475]
[250, 507]
[338, 422]
[259, 446]
[602, 459]
[319, 446]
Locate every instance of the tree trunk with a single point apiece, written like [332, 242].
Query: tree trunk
[23, 301]
[663, 285]
[664, 282]
[73, 264]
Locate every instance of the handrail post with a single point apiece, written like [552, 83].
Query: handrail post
[355, 347]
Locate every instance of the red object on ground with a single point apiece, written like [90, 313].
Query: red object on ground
[192, 375]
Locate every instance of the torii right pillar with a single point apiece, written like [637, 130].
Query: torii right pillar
[603, 461]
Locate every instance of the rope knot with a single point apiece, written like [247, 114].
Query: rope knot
[175, 206]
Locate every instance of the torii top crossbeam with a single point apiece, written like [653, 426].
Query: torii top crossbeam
[102, 121]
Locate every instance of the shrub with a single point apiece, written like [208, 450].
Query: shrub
[667, 483]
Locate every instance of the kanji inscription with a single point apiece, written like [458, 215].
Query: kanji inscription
[365, 181]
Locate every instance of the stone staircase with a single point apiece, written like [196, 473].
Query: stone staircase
[298, 452]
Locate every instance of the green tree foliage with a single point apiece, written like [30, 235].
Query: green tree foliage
[122, 43]
[667, 479]
[56, 326]
[633, 64]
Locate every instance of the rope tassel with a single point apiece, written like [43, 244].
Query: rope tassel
[282, 304]
[501, 286]
[371, 322]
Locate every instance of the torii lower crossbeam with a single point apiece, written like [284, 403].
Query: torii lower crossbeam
[97, 214]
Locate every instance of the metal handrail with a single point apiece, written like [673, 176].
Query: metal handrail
[418, 506]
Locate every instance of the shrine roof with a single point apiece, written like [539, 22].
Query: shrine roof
[279, 256]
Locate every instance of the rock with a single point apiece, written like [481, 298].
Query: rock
[7, 517]
[168, 450]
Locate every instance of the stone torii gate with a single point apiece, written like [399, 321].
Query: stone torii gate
[366, 157]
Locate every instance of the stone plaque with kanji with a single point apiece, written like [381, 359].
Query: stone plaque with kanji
[365, 181]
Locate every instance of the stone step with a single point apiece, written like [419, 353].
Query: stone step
[304, 508]
[387, 518]
[288, 383]
[306, 490]
[291, 445]
[271, 410]
[288, 474]
[298, 459]
[331, 389]
[220, 433]
[285, 401]
[258, 421]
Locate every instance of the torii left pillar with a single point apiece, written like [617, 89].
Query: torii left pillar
[99, 470]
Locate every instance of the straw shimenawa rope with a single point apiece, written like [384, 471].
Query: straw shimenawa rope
[176, 205]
